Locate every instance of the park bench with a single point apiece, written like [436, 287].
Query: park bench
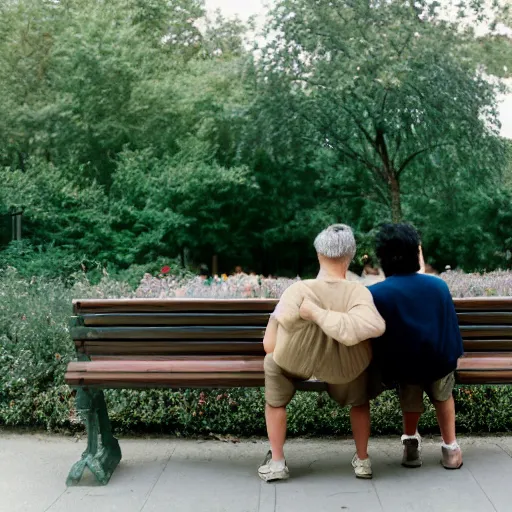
[210, 343]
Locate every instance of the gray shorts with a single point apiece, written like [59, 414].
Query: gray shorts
[411, 395]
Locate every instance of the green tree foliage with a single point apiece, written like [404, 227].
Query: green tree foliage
[384, 87]
[134, 130]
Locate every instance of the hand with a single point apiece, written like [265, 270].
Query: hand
[422, 261]
[307, 310]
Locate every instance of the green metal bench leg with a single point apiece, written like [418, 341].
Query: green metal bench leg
[103, 453]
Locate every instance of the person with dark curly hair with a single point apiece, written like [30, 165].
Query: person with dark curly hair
[419, 351]
[422, 343]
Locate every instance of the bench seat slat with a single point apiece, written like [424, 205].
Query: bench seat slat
[484, 304]
[164, 305]
[174, 380]
[168, 333]
[174, 357]
[173, 366]
[175, 319]
[486, 331]
[485, 317]
[484, 377]
[489, 361]
[487, 345]
[168, 348]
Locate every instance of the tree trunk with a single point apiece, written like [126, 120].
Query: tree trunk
[391, 175]
[396, 203]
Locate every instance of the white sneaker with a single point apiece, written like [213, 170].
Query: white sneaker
[271, 470]
[362, 468]
[412, 451]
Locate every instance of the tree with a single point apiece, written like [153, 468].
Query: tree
[383, 86]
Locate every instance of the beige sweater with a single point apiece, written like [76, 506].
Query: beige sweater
[337, 350]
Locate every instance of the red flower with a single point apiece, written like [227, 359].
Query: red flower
[165, 270]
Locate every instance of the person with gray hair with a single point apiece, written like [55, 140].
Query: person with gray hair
[333, 347]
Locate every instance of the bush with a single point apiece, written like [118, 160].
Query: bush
[35, 348]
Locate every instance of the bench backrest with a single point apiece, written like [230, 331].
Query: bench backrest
[175, 328]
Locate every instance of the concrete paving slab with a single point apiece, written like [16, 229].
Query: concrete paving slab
[33, 470]
[491, 467]
[215, 477]
[430, 488]
[131, 484]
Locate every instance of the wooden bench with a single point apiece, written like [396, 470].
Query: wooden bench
[179, 343]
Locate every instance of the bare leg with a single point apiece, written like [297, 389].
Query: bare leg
[276, 429]
[411, 420]
[360, 421]
[445, 412]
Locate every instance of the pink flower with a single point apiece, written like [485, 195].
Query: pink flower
[165, 270]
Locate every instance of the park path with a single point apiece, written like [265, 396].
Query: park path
[168, 474]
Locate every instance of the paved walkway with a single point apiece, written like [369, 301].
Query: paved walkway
[182, 475]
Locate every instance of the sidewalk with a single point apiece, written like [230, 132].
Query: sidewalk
[185, 475]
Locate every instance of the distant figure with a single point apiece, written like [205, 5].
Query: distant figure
[371, 273]
[429, 269]
[239, 271]
[204, 272]
[351, 276]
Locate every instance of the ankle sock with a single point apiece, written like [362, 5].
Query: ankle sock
[278, 464]
[415, 436]
[453, 446]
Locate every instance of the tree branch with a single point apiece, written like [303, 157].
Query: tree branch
[410, 158]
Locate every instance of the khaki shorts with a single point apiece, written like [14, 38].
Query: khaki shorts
[280, 387]
[411, 395]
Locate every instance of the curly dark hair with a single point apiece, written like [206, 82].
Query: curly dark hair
[397, 247]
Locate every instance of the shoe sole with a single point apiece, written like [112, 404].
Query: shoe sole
[452, 469]
[364, 477]
[274, 478]
[412, 465]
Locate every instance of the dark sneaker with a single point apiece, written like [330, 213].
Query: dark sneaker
[270, 470]
[452, 459]
[412, 451]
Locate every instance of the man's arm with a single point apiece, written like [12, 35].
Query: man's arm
[361, 322]
[270, 338]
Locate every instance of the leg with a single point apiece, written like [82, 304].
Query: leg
[360, 422]
[445, 412]
[411, 420]
[276, 429]
[279, 390]
[355, 394]
[100, 457]
[441, 394]
[411, 402]
[109, 455]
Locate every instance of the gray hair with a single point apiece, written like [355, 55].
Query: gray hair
[337, 241]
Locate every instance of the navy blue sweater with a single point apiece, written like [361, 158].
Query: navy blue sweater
[422, 341]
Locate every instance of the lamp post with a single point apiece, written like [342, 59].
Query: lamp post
[16, 225]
